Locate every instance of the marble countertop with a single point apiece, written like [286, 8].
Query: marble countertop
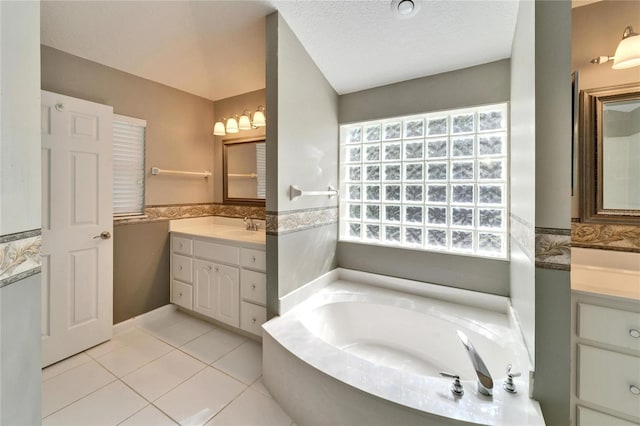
[229, 230]
[606, 272]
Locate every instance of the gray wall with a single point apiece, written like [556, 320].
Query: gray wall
[553, 203]
[479, 85]
[523, 160]
[225, 108]
[140, 269]
[302, 149]
[20, 305]
[178, 136]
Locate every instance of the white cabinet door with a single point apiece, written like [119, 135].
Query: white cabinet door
[217, 291]
[203, 297]
[77, 223]
[227, 293]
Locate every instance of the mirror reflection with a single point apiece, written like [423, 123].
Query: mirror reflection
[244, 168]
[621, 155]
[610, 139]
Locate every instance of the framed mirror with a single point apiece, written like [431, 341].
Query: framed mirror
[610, 138]
[244, 171]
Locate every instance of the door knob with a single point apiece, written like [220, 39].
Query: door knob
[104, 235]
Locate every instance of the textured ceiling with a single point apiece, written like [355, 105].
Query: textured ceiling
[361, 44]
[215, 49]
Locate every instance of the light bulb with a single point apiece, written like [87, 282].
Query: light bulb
[232, 125]
[218, 129]
[258, 119]
[244, 123]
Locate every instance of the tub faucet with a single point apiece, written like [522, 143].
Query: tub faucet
[485, 382]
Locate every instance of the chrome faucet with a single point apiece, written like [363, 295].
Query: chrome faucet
[485, 382]
[251, 225]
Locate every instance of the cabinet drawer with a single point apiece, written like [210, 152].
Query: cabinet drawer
[587, 417]
[182, 268]
[216, 252]
[605, 377]
[253, 287]
[182, 245]
[606, 325]
[182, 294]
[252, 317]
[253, 259]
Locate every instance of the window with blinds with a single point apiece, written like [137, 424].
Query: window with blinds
[261, 169]
[128, 165]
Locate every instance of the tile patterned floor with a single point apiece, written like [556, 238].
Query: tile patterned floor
[167, 369]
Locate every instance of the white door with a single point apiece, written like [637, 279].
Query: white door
[77, 223]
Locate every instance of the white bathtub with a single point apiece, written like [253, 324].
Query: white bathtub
[361, 354]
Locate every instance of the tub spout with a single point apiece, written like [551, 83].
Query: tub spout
[485, 382]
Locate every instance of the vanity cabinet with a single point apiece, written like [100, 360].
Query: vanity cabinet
[606, 353]
[217, 291]
[226, 282]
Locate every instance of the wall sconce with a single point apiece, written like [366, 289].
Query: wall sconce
[627, 54]
[244, 122]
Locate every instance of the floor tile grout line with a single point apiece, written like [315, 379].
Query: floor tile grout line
[62, 372]
[226, 405]
[84, 396]
[151, 402]
[157, 337]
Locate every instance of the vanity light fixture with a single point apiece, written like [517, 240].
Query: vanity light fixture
[232, 125]
[258, 118]
[627, 54]
[244, 122]
[218, 128]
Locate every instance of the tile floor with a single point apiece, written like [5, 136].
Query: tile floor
[166, 369]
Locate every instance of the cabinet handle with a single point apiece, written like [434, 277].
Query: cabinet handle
[217, 269]
[253, 259]
[209, 268]
[634, 333]
[181, 245]
[253, 320]
[180, 267]
[634, 390]
[180, 294]
[253, 286]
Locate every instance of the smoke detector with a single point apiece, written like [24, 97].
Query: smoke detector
[405, 8]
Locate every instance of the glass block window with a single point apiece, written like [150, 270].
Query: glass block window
[434, 181]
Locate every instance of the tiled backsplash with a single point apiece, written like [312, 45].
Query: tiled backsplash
[606, 236]
[19, 256]
[298, 220]
[168, 212]
[550, 248]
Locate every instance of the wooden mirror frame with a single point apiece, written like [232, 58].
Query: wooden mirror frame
[257, 202]
[591, 114]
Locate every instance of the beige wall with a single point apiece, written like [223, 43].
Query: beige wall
[179, 131]
[224, 108]
[596, 31]
[179, 136]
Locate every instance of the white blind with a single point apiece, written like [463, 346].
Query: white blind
[128, 165]
[261, 169]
